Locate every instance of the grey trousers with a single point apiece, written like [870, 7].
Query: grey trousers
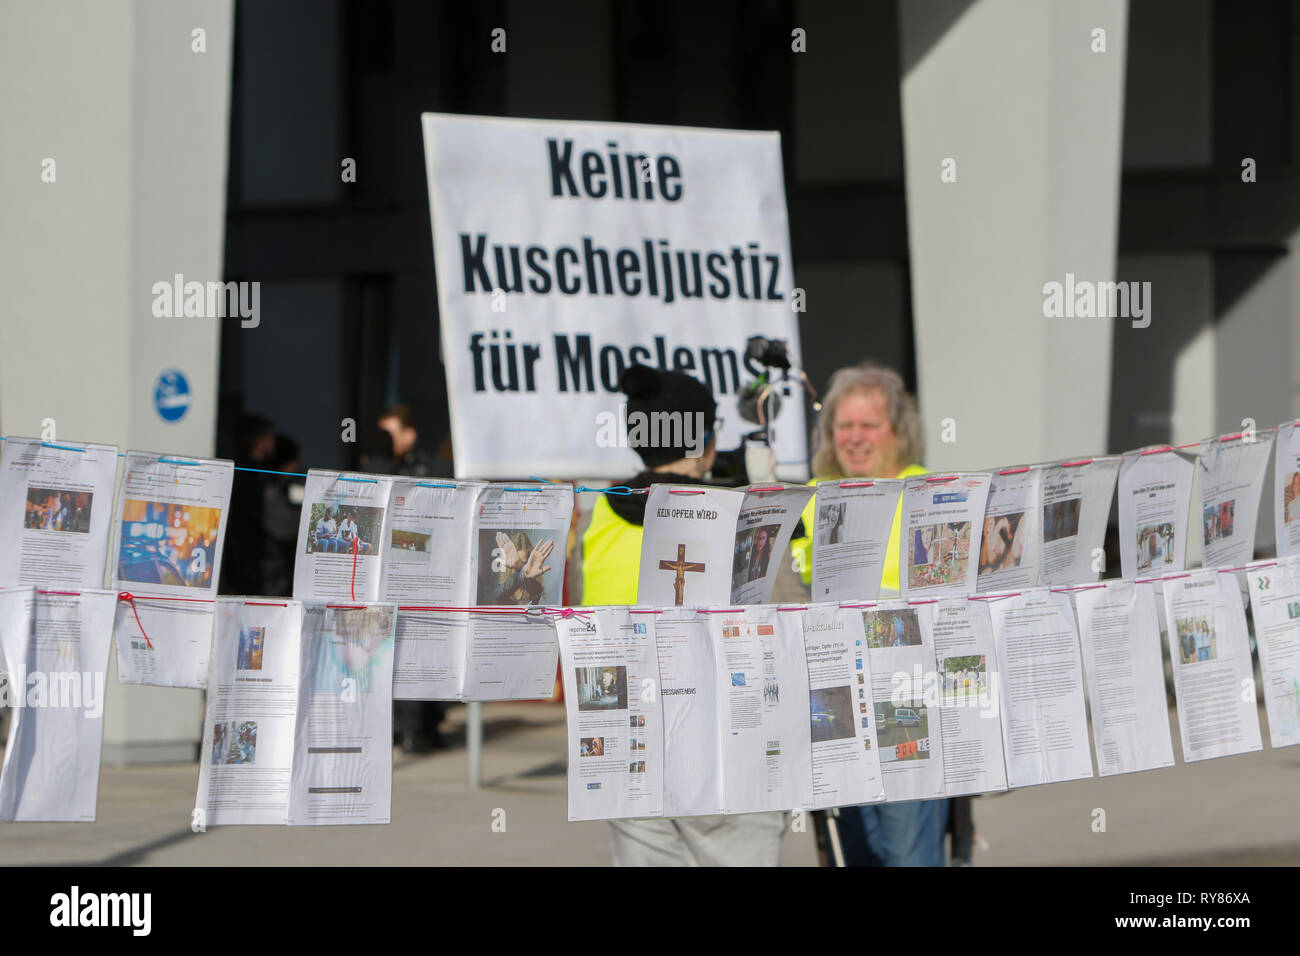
[746, 839]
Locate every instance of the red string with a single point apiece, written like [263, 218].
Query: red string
[355, 539]
[465, 610]
[129, 598]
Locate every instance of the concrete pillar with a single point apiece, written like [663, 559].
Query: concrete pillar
[136, 123]
[1012, 92]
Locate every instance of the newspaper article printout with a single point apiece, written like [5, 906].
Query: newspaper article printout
[1119, 628]
[1210, 650]
[763, 709]
[611, 694]
[510, 655]
[341, 537]
[519, 544]
[56, 644]
[1286, 490]
[1076, 509]
[943, 517]
[845, 749]
[426, 565]
[252, 706]
[900, 652]
[343, 736]
[1232, 485]
[168, 535]
[55, 512]
[1155, 495]
[683, 548]
[1044, 721]
[688, 689]
[968, 680]
[1011, 539]
[850, 537]
[766, 522]
[1275, 602]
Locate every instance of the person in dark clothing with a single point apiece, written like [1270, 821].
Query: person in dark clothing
[282, 511]
[241, 561]
[416, 723]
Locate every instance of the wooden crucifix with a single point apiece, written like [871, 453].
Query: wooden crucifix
[681, 566]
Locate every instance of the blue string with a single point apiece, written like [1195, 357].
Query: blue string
[363, 481]
[617, 490]
[264, 471]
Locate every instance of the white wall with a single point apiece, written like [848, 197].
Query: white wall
[1013, 92]
[137, 125]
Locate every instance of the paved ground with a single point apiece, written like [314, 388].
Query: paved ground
[1234, 810]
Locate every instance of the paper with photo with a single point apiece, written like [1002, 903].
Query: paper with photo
[1011, 539]
[55, 512]
[966, 666]
[343, 736]
[510, 654]
[1232, 483]
[845, 749]
[425, 565]
[340, 537]
[766, 522]
[899, 639]
[943, 517]
[1286, 490]
[688, 689]
[1155, 495]
[1076, 497]
[246, 760]
[169, 534]
[614, 717]
[683, 546]
[1044, 719]
[1214, 682]
[518, 544]
[1119, 628]
[763, 709]
[1275, 603]
[850, 537]
[56, 646]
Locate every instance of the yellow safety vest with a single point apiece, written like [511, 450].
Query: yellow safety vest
[801, 548]
[611, 557]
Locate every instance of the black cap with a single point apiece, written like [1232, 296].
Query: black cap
[651, 390]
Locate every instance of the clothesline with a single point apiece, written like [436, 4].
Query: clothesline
[625, 490]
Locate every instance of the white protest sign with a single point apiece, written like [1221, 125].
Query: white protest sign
[566, 252]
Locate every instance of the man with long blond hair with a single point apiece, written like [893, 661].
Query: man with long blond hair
[870, 428]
